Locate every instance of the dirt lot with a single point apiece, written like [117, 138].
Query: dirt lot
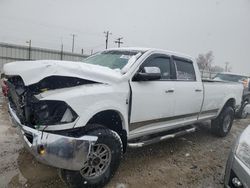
[195, 160]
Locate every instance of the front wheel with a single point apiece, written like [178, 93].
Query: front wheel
[102, 162]
[221, 126]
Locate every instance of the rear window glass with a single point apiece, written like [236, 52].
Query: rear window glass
[185, 70]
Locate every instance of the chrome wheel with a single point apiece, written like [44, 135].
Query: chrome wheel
[98, 161]
[226, 123]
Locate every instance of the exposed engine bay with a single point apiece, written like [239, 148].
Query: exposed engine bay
[34, 112]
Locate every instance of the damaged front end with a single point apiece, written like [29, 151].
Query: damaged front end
[52, 149]
[32, 116]
[34, 112]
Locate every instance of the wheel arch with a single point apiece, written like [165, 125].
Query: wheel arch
[113, 120]
[230, 102]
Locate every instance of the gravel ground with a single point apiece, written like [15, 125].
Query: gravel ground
[195, 160]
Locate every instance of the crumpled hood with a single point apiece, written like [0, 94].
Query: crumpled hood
[34, 71]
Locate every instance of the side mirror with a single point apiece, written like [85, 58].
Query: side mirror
[148, 73]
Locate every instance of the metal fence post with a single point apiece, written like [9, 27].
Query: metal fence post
[29, 50]
[62, 52]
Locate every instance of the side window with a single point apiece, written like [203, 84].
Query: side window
[163, 63]
[185, 70]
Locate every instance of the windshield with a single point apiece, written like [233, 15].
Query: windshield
[111, 59]
[230, 77]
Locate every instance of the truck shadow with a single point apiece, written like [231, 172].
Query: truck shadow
[34, 173]
[171, 146]
[197, 159]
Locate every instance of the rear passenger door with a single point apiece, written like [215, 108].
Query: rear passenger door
[188, 90]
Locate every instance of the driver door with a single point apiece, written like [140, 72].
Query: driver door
[152, 101]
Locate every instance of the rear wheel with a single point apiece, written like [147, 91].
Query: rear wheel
[103, 161]
[221, 126]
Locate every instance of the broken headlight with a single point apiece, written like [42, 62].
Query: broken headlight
[243, 149]
[52, 113]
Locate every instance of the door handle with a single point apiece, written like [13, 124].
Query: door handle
[198, 90]
[169, 91]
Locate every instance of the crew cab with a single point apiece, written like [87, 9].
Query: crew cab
[81, 116]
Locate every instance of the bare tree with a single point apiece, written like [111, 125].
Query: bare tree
[205, 61]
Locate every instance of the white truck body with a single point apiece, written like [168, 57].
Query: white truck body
[81, 116]
[153, 109]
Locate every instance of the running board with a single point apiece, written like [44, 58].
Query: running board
[160, 138]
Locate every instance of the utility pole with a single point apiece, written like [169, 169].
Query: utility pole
[118, 41]
[107, 33]
[29, 54]
[73, 42]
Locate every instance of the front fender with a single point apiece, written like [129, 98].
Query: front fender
[100, 107]
[88, 100]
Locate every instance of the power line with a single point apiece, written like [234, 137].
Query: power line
[91, 47]
[118, 41]
[49, 26]
[107, 33]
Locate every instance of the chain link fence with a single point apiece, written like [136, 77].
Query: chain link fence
[12, 52]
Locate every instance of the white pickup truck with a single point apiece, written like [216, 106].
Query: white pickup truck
[81, 116]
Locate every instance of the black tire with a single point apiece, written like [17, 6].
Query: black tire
[106, 137]
[242, 114]
[221, 126]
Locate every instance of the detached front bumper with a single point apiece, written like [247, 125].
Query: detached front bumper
[52, 149]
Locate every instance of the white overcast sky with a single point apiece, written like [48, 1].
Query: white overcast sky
[191, 27]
